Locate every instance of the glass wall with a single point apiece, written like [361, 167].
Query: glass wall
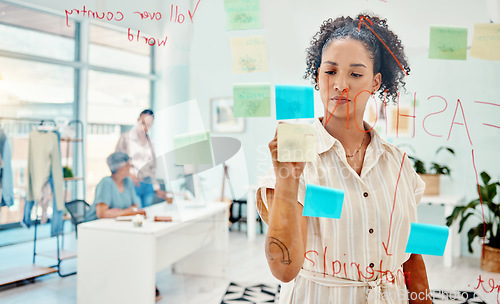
[38, 64]
[36, 82]
[119, 88]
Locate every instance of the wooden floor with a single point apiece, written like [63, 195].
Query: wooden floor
[247, 264]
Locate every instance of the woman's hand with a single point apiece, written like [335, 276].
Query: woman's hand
[103, 211]
[287, 230]
[161, 194]
[165, 196]
[134, 178]
[284, 170]
[133, 211]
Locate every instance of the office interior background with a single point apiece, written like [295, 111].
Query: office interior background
[58, 63]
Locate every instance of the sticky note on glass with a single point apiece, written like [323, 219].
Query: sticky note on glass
[252, 100]
[249, 54]
[427, 239]
[486, 41]
[323, 201]
[296, 143]
[193, 148]
[448, 43]
[242, 14]
[294, 102]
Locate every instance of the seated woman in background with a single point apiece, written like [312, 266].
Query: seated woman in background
[115, 194]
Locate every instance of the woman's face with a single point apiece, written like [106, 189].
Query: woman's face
[346, 67]
[145, 122]
[123, 171]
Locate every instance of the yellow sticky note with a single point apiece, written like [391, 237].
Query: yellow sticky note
[249, 54]
[296, 143]
[486, 41]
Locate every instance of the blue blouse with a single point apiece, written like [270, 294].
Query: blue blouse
[107, 192]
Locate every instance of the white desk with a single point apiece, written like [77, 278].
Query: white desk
[117, 262]
[449, 202]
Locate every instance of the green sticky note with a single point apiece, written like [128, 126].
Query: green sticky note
[242, 14]
[252, 100]
[448, 43]
[193, 148]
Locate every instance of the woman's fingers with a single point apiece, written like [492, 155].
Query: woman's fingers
[284, 169]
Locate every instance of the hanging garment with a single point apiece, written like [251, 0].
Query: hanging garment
[3, 138]
[45, 201]
[56, 222]
[6, 176]
[44, 159]
[28, 206]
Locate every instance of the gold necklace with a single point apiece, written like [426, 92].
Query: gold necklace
[352, 155]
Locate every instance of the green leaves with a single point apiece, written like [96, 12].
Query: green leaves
[473, 233]
[420, 167]
[485, 177]
[440, 169]
[435, 168]
[445, 148]
[491, 219]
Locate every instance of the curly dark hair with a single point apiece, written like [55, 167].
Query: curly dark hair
[383, 61]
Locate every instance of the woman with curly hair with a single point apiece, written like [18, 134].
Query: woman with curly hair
[359, 258]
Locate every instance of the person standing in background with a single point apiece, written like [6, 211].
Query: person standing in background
[137, 144]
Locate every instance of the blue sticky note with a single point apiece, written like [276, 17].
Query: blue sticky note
[427, 239]
[323, 202]
[294, 102]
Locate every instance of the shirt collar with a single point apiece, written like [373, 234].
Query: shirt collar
[134, 135]
[324, 141]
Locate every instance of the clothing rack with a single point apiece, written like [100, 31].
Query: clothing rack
[39, 120]
[20, 274]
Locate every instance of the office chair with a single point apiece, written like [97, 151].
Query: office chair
[77, 209]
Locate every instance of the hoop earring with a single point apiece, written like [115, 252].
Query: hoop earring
[316, 87]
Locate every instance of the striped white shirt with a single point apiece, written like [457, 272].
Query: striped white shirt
[352, 247]
[141, 153]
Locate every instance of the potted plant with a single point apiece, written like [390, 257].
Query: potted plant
[431, 177]
[489, 229]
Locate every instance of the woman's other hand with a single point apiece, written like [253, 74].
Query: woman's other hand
[134, 178]
[165, 196]
[133, 210]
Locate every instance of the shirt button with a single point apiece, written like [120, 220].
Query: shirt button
[371, 230]
[372, 265]
[365, 194]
